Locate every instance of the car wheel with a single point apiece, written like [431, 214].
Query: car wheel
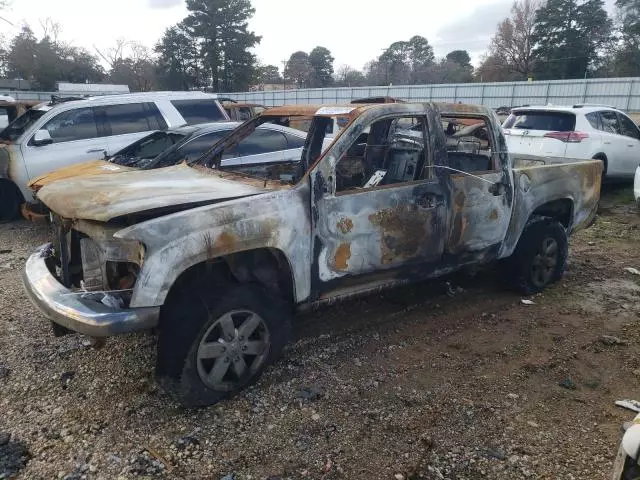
[540, 257]
[603, 159]
[211, 347]
[10, 200]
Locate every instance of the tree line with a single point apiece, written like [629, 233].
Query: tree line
[212, 49]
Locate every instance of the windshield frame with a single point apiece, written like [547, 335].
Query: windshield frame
[6, 134]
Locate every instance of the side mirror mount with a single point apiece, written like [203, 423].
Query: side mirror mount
[41, 138]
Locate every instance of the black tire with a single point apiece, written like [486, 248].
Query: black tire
[603, 159]
[536, 264]
[10, 201]
[192, 316]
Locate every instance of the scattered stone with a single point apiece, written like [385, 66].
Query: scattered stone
[636, 372]
[310, 394]
[610, 340]
[231, 476]
[398, 476]
[315, 417]
[513, 396]
[527, 302]
[633, 271]
[532, 424]
[568, 384]
[4, 372]
[187, 442]
[495, 453]
[66, 378]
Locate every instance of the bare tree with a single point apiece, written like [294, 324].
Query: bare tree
[513, 43]
[112, 56]
[50, 29]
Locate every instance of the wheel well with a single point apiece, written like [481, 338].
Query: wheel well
[560, 210]
[603, 157]
[265, 266]
[6, 183]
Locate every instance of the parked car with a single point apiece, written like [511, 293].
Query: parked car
[219, 261]
[578, 132]
[54, 135]
[240, 112]
[269, 144]
[11, 109]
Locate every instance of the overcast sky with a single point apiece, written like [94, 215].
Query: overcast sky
[355, 31]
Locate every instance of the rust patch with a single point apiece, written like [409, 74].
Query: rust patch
[459, 200]
[493, 215]
[345, 225]
[401, 234]
[343, 254]
[226, 242]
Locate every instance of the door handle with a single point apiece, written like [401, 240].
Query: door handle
[630, 145]
[497, 189]
[96, 150]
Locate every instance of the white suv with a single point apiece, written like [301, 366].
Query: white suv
[55, 135]
[579, 132]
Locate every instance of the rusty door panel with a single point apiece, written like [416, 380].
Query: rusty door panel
[480, 219]
[381, 228]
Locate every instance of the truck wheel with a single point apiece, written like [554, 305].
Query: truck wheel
[211, 347]
[10, 200]
[540, 257]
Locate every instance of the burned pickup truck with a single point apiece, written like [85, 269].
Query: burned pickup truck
[219, 259]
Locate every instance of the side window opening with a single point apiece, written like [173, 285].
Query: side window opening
[260, 141]
[388, 152]
[77, 124]
[198, 111]
[610, 122]
[469, 144]
[629, 128]
[594, 120]
[128, 118]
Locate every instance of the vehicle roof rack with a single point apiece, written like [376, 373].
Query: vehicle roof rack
[56, 99]
[582, 105]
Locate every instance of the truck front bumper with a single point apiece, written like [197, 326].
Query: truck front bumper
[83, 315]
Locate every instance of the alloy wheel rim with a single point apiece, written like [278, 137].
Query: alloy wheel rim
[232, 350]
[545, 262]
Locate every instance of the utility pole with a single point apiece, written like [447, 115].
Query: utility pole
[284, 74]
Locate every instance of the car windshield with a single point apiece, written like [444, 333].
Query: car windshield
[16, 128]
[142, 152]
[290, 169]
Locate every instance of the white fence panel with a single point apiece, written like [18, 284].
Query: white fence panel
[623, 93]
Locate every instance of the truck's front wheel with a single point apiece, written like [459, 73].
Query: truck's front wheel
[540, 257]
[10, 200]
[212, 346]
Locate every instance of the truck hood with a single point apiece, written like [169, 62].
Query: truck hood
[93, 167]
[105, 197]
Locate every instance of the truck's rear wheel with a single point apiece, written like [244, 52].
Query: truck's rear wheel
[540, 257]
[10, 200]
[212, 346]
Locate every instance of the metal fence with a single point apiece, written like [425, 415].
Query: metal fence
[622, 93]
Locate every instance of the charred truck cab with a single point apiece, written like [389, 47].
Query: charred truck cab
[219, 259]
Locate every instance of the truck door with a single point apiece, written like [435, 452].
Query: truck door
[481, 182]
[387, 211]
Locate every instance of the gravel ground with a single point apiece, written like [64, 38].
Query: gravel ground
[440, 380]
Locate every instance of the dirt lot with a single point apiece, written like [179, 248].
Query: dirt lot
[457, 380]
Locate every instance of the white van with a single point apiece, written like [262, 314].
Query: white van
[55, 135]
